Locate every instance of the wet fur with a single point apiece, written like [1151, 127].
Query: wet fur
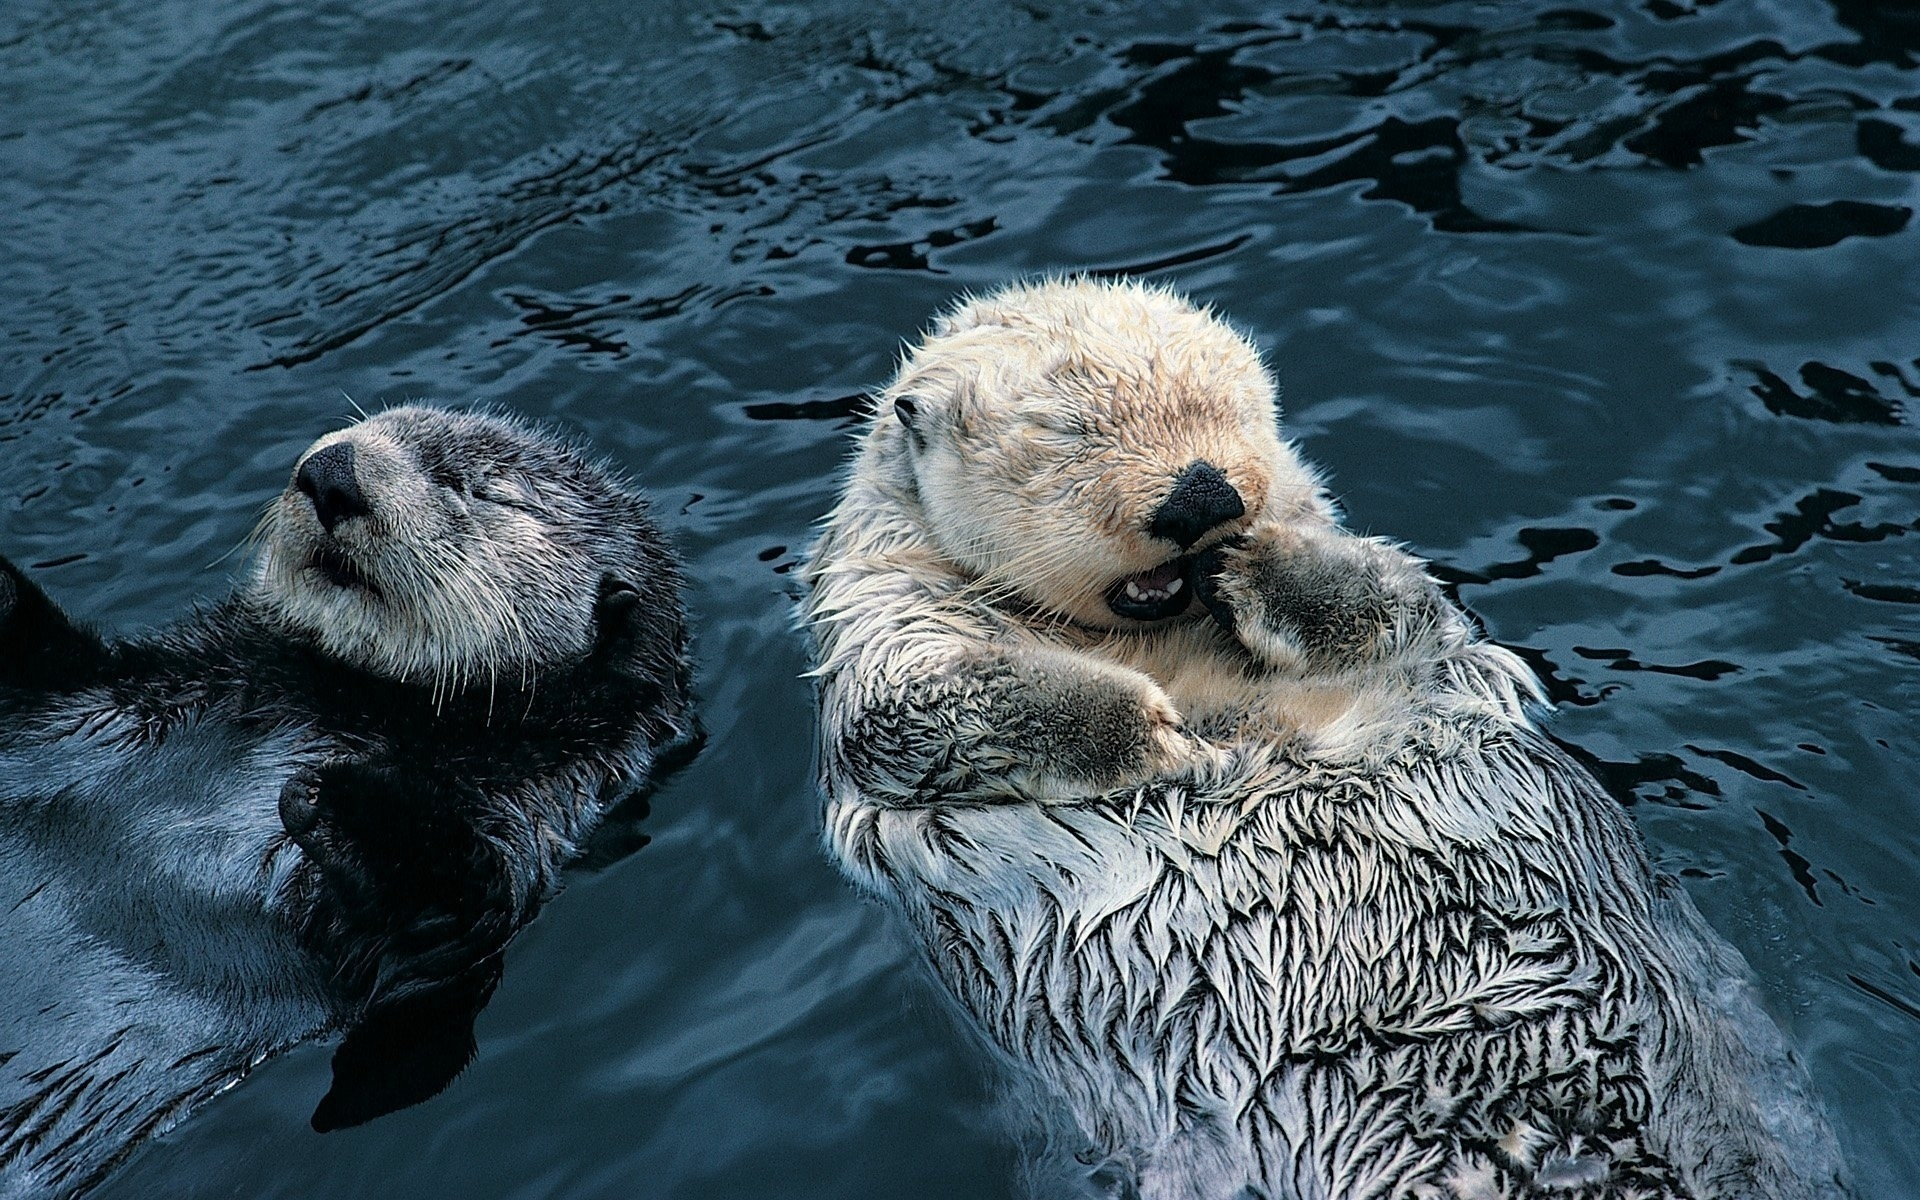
[1285, 897]
[243, 831]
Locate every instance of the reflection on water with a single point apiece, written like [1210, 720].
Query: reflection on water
[1610, 307]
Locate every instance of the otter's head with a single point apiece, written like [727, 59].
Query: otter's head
[456, 548]
[1078, 443]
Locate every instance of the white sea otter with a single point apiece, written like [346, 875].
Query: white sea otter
[1280, 894]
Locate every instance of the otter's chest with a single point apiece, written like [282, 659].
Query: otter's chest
[1172, 962]
[1247, 927]
[167, 857]
[143, 962]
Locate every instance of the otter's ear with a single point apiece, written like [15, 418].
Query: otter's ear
[614, 614]
[916, 415]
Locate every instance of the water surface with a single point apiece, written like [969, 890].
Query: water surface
[1608, 307]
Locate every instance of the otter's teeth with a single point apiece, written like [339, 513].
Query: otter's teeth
[1136, 592]
[1151, 595]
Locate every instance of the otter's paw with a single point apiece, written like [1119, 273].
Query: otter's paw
[1091, 725]
[615, 613]
[306, 813]
[300, 804]
[1316, 597]
[1205, 577]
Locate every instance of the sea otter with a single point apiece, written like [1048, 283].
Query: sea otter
[327, 802]
[1224, 825]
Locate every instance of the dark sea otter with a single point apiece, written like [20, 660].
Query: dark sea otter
[329, 801]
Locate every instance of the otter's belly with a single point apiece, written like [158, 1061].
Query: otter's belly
[1110, 925]
[142, 966]
[1302, 984]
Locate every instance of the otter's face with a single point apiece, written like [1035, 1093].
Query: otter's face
[448, 547]
[1077, 444]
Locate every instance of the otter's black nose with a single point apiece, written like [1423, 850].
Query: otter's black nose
[1202, 498]
[326, 478]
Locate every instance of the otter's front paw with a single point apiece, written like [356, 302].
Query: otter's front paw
[300, 803]
[305, 814]
[1204, 577]
[1316, 597]
[1093, 726]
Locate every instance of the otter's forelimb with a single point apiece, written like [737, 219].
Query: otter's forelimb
[1320, 599]
[1012, 722]
[414, 907]
[396, 845]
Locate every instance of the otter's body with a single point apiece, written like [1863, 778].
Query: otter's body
[233, 835]
[133, 994]
[1278, 895]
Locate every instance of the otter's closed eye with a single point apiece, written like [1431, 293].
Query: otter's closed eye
[1058, 421]
[508, 493]
[445, 477]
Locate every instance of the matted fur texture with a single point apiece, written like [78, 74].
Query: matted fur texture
[1285, 896]
[326, 803]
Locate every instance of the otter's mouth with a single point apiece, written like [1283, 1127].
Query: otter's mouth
[339, 570]
[1153, 595]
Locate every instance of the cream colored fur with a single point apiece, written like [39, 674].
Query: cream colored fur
[1288, 900]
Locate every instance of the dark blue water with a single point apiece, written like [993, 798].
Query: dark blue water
[1609, 307]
